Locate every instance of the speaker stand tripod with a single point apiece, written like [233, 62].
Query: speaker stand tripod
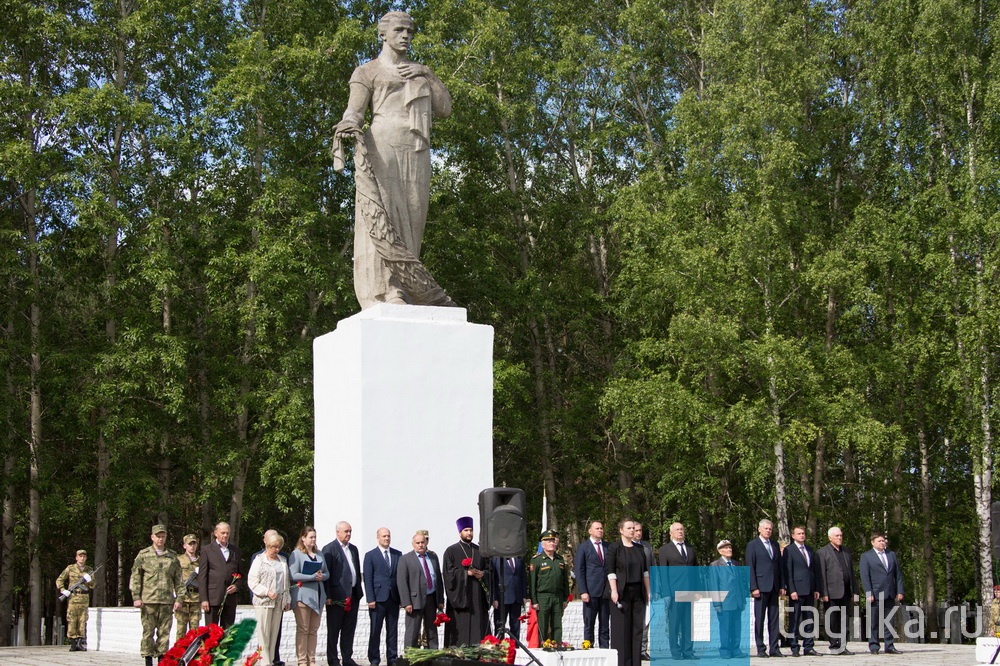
[504, 632]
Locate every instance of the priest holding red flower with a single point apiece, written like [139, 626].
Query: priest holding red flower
[463, 571]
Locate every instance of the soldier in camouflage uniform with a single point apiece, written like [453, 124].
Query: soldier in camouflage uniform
[548, 587]
[157, 587]
[189, 614]
[79, 599]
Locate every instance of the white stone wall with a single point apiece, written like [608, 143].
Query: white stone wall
[119, 630]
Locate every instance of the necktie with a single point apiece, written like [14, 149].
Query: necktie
[600, 553]
[388, 564]
[770, 553]
[885, 562]
[805, 555]
[730, 563]
[510, 561]
[684, 552]
[427, 572]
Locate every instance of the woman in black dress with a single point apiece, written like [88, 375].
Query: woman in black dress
[628, 577]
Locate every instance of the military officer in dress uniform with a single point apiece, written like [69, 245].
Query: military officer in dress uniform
[79, 599]
[189, 615]
[157, 587]
[548, 588]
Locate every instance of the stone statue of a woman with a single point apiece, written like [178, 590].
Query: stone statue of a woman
[392, 168]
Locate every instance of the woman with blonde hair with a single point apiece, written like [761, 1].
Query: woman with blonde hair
[269, 580]
[308, 569]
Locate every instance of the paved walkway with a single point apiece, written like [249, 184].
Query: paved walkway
[914, 655]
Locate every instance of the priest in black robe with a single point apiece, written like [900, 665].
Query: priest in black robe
[465, 582]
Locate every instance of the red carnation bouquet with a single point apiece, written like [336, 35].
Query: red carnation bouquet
[441, 618]
[467, 562]
[346, 604]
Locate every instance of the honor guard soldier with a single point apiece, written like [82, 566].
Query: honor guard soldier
[548, 588]
[189, 614]
[75, 583]
[157, 588]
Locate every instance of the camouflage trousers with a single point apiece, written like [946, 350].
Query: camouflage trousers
[156, 618]
[76, 620]
[188, 618]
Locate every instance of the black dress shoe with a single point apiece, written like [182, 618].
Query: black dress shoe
[692, 657]
[812, 653]
[795, 653]
[873, 650]
[892, 650]
[762, 654]
[847, 652]
[777, 653]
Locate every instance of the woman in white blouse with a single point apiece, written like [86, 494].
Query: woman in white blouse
[269, 580]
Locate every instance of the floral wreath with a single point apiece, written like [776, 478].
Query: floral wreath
[212, 645]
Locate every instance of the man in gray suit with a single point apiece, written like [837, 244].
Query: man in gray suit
[838, 587]
[883, 583]
[421, 592]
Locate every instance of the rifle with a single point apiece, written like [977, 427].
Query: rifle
[66, 594]
[189, 583]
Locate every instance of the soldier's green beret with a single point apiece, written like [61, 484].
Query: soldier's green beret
[158, 528]
[549, 534]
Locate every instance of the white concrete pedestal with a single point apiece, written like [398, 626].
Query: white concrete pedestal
[404, 419]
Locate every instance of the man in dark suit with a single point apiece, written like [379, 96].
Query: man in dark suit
[883, 583]
[838, 587]
[511, 599]
[766, 585]
[592, 584]
[647, 551]
[220, 577]
[677, 553]
[801, 577]
[730, 608]
[421, 592]
[381, 565]
[343, 593]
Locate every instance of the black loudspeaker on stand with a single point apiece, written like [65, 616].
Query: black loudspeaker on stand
[502, 533]
[501, 523]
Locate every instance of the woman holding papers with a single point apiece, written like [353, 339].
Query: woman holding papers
[308, 570]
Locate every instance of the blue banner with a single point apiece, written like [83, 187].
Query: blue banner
[700, 611]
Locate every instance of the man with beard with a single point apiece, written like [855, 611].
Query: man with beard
[463, 571]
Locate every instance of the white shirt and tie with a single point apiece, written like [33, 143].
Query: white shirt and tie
[350, 563]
